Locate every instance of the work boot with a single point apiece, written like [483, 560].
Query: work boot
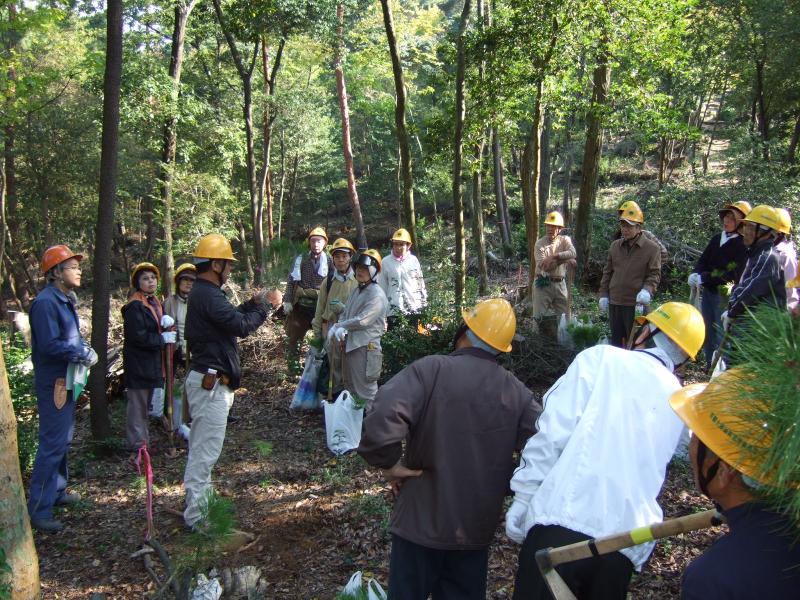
[47, 525]
[68, 499]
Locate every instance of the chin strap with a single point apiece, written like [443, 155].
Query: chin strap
[703, 479]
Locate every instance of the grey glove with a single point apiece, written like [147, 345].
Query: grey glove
[287, 307]
[90, 358]
[337, 306]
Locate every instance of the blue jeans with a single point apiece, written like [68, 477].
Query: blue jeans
[711, 311]
[49, 477]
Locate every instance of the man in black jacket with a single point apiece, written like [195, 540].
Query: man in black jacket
[212, 326]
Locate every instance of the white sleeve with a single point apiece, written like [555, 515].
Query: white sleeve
[564, 405]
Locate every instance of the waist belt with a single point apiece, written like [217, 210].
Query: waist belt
[556, 279]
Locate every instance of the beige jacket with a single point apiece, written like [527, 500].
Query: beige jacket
[328, 310]
[561, 247]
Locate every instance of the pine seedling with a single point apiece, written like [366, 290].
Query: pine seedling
[767, 348]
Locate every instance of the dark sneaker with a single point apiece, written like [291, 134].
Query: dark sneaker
[68, 498]
[47, 525]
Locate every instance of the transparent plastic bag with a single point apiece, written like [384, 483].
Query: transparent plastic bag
[305, 396]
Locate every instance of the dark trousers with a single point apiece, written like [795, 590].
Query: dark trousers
[620, 318]
[711, 310]
[298, 322]
[50, 474]
[604, 577]
[416, 571]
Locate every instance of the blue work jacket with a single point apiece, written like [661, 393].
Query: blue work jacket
[55, 337]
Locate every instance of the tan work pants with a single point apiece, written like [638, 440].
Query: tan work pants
[209, 409]
[550, 300]
[362, 369]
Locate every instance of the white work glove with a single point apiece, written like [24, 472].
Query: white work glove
[695, 280]
[287, 308]
[332, 332]
[643, 297]
[341, 333]
[639, 309]
[90, 358]
[603, 302]
[169, 337]
[515, 518]
[167, 322]
[726, 321]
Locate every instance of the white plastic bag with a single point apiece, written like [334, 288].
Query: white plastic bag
[306, 396]
[207, 589]
[353, 586]
[720, 367]
[343, 423]
[375, 591]
[603, 341]
[562, 335]
[157, 403]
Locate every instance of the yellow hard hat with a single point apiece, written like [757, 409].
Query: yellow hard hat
[712, 412]
[631, 213]
[764, 215]
[784, 221]
[554, 218]
[144, 266]
[318, 231]
[743, 206]
[214, 246]
[493, 321]
[628, 204]
[793, 283]
[401, 235]
[680, 322]
[342, 245]
[185, 270]
[369, 258]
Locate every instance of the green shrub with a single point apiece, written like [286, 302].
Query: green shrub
[23, 399]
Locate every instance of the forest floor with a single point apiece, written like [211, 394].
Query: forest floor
[316, 518]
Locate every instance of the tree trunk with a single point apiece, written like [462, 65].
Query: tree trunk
[409, 218]
[601, 80]
[458, 150]
[791, 153]
[246, 75]
[170, 143]
[292, 191]
[104, 232]
[499, 191]
[16, 538]
[762, 117]
[545, 167]
[477, 219]
[341, 91]
[530, 174]
[270, 84]
[283, 181]
[248, 265]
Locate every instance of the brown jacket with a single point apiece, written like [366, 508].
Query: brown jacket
[462, 416]
[629, 268]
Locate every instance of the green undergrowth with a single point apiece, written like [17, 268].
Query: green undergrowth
[23, 398]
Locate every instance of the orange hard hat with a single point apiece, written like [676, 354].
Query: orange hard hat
[55, 255]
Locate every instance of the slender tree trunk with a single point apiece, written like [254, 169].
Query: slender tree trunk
[409, 218]
[791, 153]
[477, 218]
[530, 174]
[246, 75]
[104, 232]
[248, 264]
[270, 86]
[503, 223]
[544, 164]
[762, 116]
[16, 538]
[458, 151]
[591, 158]
[170, 135]
[341, 91]
[292, 191]
[283, 181]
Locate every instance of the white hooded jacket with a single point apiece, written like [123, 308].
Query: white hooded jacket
[604, 439]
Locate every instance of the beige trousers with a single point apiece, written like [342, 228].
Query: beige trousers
[550, 300]
[209, 410]
[362, 368]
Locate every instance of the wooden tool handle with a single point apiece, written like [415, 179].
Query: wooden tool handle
[605, 545]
